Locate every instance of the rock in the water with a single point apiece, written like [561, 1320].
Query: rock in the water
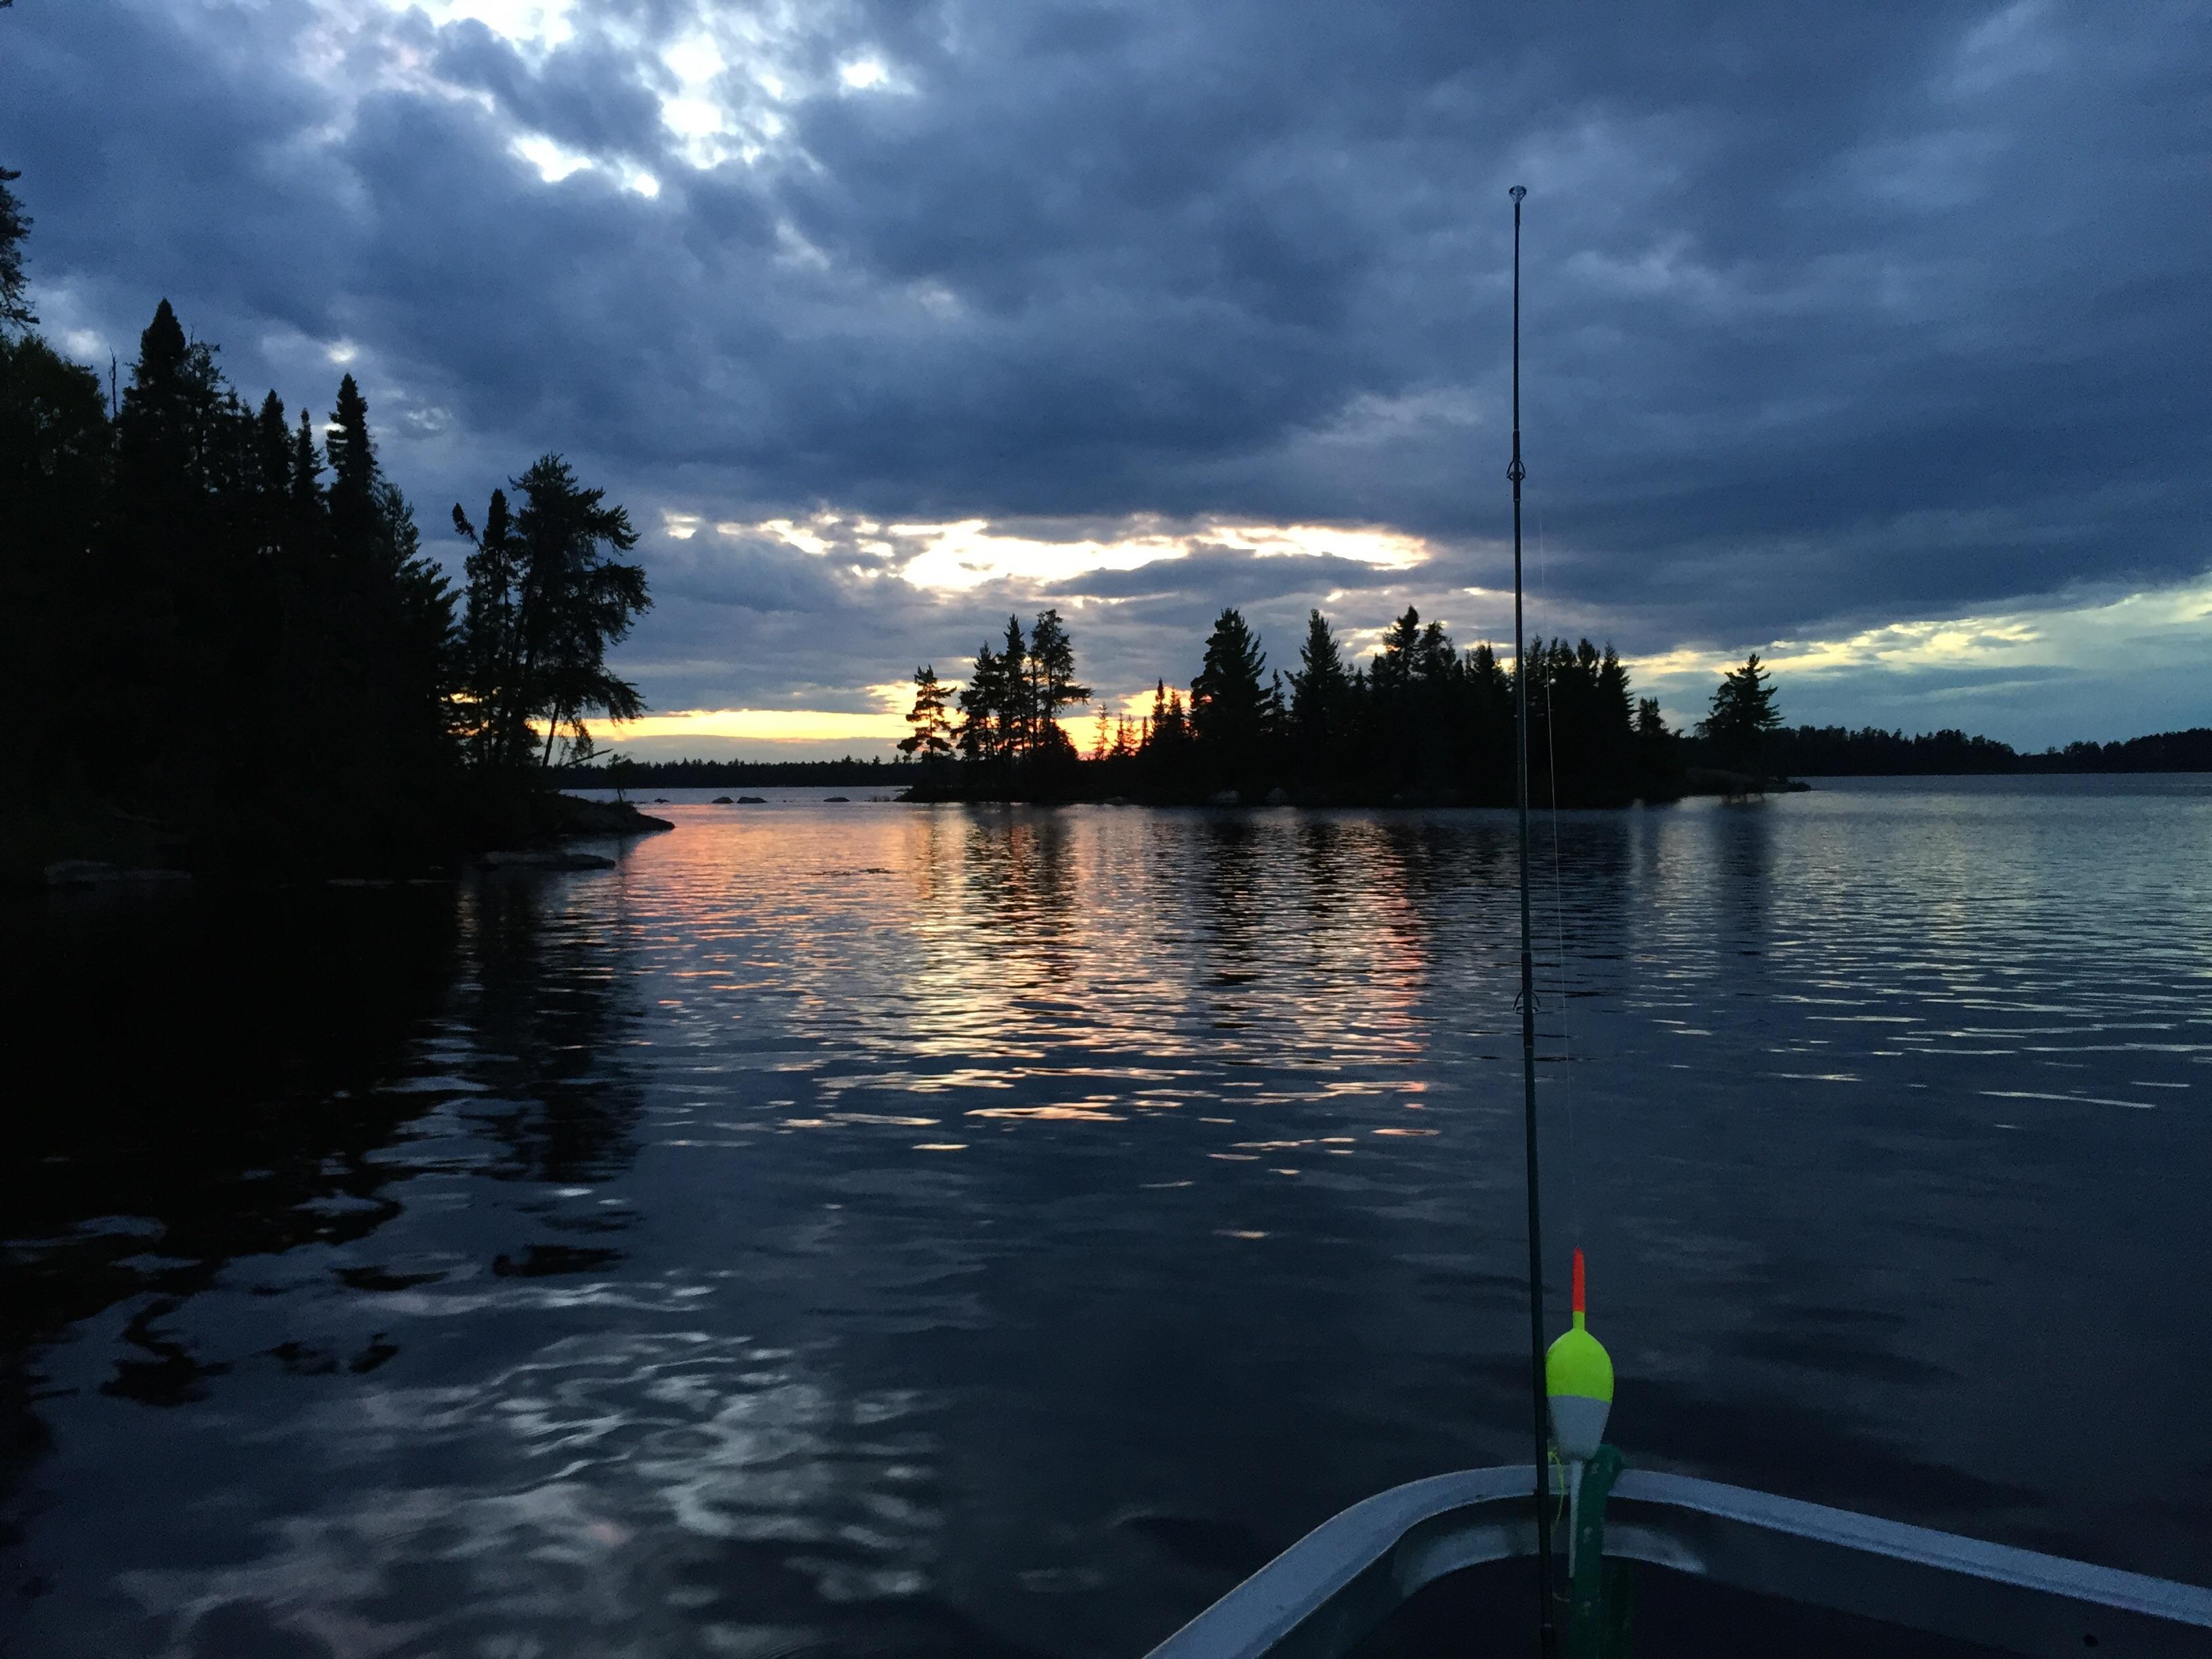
[545, 857]
[575, 816]
[1222, 797]
[1278, 796]
[722, 801]
[826, 800]
[752, 800]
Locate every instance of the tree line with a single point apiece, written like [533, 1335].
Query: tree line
[1420, 721]
[1835, 752]
[226, 620]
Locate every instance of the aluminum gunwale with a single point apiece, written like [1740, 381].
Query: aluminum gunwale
[1336, 1583]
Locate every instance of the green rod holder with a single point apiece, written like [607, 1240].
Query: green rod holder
[1598, 1593]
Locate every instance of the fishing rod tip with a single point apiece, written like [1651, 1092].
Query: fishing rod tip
[1519, 191]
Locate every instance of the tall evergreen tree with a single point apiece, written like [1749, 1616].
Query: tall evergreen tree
[309, 514]
[1016, 710]
[931, 737]
[1320, 698]
[165, 435]
[490, 643]
[271, 452]
[982, 732]
[1052, 678]
[354, 471]
[1392, 670]
[572, 600]
[1742, 715]
[1226, 701]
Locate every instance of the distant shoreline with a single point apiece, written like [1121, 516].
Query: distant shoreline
[633, 776]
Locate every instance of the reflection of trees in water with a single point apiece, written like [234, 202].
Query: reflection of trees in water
[1001, 926]
[1428, 872]
[550, 1009]
[213, 1079]
[1233, 905]
[197, 1083]
[1743, 875]
[1583, 880]
[204, 1073]
[1017, 868]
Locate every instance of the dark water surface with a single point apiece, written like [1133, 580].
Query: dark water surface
[865, 1229]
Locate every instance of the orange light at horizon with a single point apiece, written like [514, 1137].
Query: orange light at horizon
[765, 726]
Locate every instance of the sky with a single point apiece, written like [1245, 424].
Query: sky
[1871, 338]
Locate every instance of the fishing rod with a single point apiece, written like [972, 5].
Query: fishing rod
[1547, 1635]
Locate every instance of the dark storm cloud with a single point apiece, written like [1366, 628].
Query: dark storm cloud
[750, 573]
[590, 99]
[1836, 315]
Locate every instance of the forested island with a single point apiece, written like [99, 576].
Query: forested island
[235, 653]
[1421, 722]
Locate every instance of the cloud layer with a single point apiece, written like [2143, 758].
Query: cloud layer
[1837, 321]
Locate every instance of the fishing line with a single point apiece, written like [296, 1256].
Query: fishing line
[1566, 1074]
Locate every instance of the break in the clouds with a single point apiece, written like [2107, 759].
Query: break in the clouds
[1871, 336]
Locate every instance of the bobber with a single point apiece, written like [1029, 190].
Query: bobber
[1578, 1382]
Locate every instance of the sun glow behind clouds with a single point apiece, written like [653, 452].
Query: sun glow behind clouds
[724, 76]
[968, 553]
[955, 556]
[765, 726]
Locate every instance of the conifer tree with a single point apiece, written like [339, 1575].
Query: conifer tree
[1742, 715]
[931, 737]
[1319, 689]
[1392, 670]
[1226, 702]
[308, 515]
[1658, 769]
[353, 464]
[14, 225]
[490, 643]
[980, 731]
[573, 599]
[272, 475]
[1015, 703]
[1052, 684]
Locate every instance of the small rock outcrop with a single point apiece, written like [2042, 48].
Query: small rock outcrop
[545, 858]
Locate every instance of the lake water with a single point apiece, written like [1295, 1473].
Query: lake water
[865, 1228]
